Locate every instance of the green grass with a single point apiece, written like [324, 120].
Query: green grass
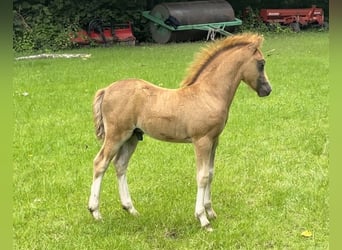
[271, 173]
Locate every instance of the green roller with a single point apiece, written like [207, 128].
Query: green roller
[188, 21]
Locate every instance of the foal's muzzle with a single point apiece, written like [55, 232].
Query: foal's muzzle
[264, 89]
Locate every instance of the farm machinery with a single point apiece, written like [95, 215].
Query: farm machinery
[101, 33]
[189, 21]
[295, 18]
[194, 20]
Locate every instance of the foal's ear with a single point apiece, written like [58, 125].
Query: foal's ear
[253, 47]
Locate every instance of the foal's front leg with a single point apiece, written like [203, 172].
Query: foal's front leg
[207, 194]
[203, 148]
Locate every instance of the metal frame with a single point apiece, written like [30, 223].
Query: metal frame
[212, 28]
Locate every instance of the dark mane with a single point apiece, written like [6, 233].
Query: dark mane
[205, 56]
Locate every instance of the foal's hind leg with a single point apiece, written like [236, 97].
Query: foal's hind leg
[121, 163]
[101, 162]
[111, 145]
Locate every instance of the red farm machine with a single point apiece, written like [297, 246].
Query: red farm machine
[100, 33]
[295, 18]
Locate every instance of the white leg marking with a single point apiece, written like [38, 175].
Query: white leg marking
[199, 209]
[125, 196]
[95, 197]
[121, 163]
[205, 154]
[207, 197]
[202, 181]
[207, 204]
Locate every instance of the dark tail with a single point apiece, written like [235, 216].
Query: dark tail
[98, 117]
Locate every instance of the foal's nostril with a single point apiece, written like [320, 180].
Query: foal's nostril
[264, 90]
[268, 92]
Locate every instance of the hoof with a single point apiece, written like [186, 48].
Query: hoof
[211, 214]
[208, 228]
[131, 210]
[96, 214]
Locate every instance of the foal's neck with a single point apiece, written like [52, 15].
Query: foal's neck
[222, 76]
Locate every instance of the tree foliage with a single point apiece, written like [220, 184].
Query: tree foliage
[46, 25]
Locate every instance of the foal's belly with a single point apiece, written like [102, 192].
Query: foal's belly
[166, 129]
[170, 138]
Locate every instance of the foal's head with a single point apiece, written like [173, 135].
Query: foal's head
[253, 73]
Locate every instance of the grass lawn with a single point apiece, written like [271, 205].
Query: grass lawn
[271, 173]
